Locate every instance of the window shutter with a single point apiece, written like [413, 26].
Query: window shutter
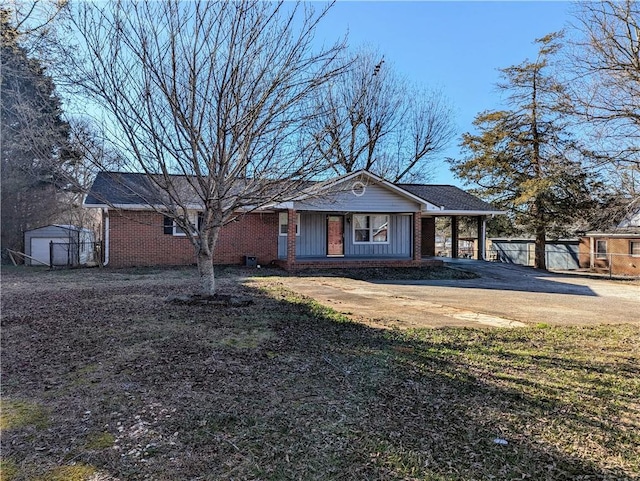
[168, 225]
[200, 219]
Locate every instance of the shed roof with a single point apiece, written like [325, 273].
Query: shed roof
[66, 227]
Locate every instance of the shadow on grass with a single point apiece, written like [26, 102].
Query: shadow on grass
[286, 389]
[464, 275]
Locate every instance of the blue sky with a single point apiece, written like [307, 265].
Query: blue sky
[455, 46]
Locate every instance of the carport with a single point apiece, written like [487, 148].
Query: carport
[455, 204]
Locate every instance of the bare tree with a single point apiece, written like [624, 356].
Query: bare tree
[606, 64]
[374, 121]
[605, 77]
[210, 99]
[34, 18]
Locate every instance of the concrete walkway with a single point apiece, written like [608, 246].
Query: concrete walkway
[504, 295]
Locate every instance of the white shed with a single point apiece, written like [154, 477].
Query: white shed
[59, 245]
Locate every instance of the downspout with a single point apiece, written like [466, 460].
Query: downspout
[106, 238]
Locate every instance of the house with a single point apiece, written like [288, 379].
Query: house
[615, 251]
[357, 219]
[59, 245]
[561, 254]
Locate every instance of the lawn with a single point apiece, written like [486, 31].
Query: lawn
[103, 380]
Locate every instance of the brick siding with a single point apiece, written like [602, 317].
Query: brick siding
[417, 236]
[136, 238]
[428, 243]
[618, 251]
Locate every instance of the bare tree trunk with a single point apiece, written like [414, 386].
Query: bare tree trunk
[205, 244]
[206, 273]
[540, 261]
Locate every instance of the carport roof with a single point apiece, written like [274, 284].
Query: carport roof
[450, 198]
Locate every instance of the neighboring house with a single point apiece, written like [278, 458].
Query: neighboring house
[353, 220]
[561, 254]
[615, 251]
[59, 245]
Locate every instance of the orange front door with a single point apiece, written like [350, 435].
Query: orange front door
[335, 235]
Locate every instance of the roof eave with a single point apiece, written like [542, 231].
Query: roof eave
[139, 206]
[464, 212]
[616, 235]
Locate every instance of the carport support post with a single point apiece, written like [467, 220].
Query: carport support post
[482, 237]
[291, 238]
[454, 237]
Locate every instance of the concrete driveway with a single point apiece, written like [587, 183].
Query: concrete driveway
[504, 295]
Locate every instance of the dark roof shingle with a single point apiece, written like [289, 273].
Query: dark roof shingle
[126, 188]
[449, 197]
[135, 189]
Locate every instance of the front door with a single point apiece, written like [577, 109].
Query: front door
[335, 235]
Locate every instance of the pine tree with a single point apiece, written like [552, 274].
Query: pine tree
[34, 142]
[525, 159]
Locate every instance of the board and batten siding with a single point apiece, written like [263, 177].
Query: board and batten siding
[400, 240]
[312, 241]
[376, 198]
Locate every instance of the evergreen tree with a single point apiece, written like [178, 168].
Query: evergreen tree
[525, 159]
[34, 150]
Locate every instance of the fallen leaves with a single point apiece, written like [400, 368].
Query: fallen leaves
[136, 388]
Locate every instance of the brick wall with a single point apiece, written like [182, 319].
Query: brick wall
[428, 228]
[136, 238]
[584, 253]
[417, 236]
[618, 253]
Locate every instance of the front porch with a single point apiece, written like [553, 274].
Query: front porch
[364, 221]
[327, 240]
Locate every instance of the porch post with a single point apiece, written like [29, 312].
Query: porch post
[454, 237]
[482, 238]
[291, 238]
[417, 236]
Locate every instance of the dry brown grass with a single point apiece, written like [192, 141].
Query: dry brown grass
[128, 387]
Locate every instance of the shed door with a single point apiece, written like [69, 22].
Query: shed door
[40, 250]
[335, 235]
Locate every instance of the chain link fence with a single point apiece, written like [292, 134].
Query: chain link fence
[73, 254]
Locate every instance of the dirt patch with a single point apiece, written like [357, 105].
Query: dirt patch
[221, 300]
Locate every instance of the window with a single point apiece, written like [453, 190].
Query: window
[370, 229]
[601, 249]
[284, 223]
[634, 248]
[170, 227]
